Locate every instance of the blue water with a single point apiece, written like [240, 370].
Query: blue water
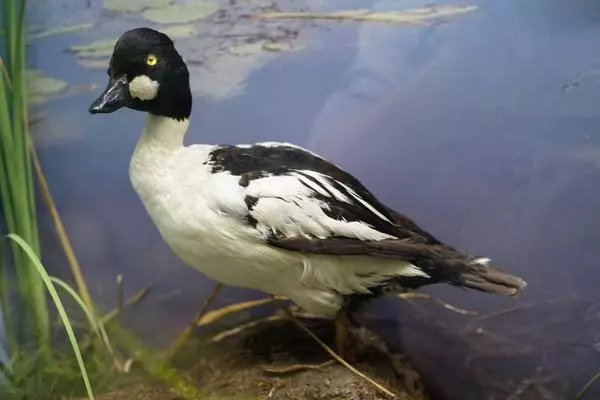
[484, 129]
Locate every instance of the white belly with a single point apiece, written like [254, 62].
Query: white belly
[234, 260]
[316, 283]
[241, 261]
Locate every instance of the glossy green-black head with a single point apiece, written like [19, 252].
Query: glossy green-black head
[146, 73]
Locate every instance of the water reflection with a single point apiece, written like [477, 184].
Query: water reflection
[482, 128]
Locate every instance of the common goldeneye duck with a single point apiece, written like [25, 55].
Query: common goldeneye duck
[270, 216]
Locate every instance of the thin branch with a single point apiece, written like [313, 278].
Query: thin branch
[330, 351]
[133, 300]
[296, 368]
[529, 384]
[239, 329]
[215, 315]
[36, 118]
[270, 394]
[413, 296]
[60, 229]
[120, 293]
[520, 307]
[185, 335]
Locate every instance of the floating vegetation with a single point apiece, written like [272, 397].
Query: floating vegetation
[82, 88]
[41, 86]
[248, 49]
[60, 30]
[133, 5]
[93, 63]
[181, 31]
[180, 13]
[278, 46]
[412, 16]
[98, 49]
[97, 54]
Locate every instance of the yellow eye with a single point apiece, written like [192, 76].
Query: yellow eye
[151, 60]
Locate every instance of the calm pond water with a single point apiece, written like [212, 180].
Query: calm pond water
[483, 127]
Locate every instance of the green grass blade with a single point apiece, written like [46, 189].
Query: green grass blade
[59, 306]
[17, 184]
[6, 372]
[587, 386]
[6, 204]
[88, 314]
[96, 324]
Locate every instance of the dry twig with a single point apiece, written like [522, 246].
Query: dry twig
[290, 369]
[133, 300]
[528, 384]
[520, 307]
[418, 296]
[330, 351]
[66, 243]
[239, 329]
[60, 228]
[185, 335]
[215, 315]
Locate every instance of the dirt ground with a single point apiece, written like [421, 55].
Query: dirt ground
[273, 361]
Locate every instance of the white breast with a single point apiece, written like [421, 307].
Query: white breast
[202, 215]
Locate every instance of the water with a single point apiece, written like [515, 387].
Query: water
[482, 128]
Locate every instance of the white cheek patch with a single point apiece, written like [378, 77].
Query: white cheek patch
[143, 88]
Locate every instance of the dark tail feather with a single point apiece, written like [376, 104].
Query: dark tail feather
[480, 276]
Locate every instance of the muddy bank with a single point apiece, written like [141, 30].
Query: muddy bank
[275, 360]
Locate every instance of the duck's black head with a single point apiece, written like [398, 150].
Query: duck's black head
[146, 73]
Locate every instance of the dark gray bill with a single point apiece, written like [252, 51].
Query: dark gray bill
[115, 96]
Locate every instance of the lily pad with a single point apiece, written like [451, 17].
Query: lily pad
[60, 30]
[181, 31]
[246, 49]
[41, 87]
[279, 46]
[94, 63]
[133, 5]
[411, 16]
[180, 13]
[98, 49]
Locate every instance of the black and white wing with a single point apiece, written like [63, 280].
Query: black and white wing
[293, 193]
[299, 201]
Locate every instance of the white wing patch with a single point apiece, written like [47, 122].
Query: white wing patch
[324, 181]
[286, 206]
[282, 186]
[363, 202]
[308, 182]
[304, 216]
[285, 144]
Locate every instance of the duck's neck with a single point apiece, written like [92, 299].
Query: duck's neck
[163, 134]
[161, 141]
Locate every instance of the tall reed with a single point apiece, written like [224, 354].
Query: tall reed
[18, 278]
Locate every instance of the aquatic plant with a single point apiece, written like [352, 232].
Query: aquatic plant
[49, 284]
[588, 386]
[180, 13]
[23, 279]
[17, 197]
